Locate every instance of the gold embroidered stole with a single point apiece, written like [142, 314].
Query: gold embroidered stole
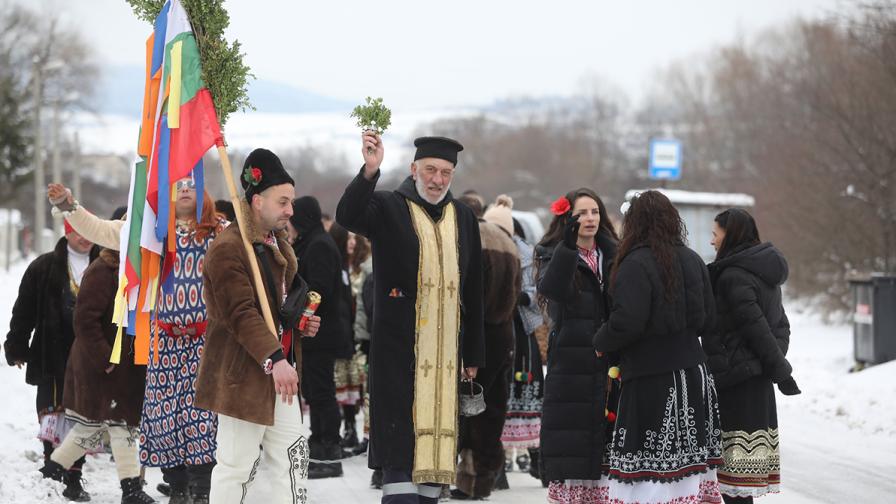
[436, 348]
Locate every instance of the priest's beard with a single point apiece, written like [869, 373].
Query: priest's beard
[421, 190]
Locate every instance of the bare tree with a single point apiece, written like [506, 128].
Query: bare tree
[35, 52]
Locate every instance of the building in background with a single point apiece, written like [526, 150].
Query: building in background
[698, 210]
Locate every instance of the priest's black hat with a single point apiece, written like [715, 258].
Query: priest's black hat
[262, 170]
[437, 147]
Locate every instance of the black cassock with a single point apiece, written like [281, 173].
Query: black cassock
[385, 219]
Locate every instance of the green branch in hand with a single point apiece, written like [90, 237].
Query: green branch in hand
[374, 116]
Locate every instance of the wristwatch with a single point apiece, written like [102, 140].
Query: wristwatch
[267, 366]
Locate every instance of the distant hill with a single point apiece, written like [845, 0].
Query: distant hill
[121, 93]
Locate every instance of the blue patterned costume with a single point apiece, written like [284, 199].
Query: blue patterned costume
[173, 432]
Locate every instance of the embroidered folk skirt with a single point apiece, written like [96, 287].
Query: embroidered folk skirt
[350, 376]
[522, 425]
[666, 443]
[750, 439]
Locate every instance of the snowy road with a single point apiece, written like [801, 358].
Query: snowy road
[838, 438]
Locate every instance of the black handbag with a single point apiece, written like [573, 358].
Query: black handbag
[290, 311]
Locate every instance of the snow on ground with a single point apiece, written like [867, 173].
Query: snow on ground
[838, 439]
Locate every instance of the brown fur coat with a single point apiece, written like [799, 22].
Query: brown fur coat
[231, 380]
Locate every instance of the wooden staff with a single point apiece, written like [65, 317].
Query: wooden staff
[250, 253]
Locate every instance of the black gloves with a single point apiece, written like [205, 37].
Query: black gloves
[571, 232]
[788, 387]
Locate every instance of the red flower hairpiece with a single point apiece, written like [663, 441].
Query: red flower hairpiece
[561, 206]
[252, 176]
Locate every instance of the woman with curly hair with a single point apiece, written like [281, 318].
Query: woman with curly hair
[666, 442]
[573, 260]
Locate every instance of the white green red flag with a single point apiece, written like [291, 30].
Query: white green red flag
[178, 127]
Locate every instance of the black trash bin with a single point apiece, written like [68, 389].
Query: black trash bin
[874, 319]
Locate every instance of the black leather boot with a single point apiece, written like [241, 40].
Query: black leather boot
[132, 492]
[523, 461]
[52, 470]
[331, 453]
[501, 481]
[361, 448]
[74, 490]
[350, 436]
[376, 479]
[180, 494]
[200, 481]
[178, 484]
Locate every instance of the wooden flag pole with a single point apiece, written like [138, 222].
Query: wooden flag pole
[250, 253]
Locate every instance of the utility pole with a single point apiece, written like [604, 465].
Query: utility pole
[76, 167]
[10, 229]
[39, 183]
[56, 163]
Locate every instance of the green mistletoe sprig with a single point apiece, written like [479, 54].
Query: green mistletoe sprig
[374, 116]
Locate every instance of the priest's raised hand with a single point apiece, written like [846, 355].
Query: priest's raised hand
[372, 150]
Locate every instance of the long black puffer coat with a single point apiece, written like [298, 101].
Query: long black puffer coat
[573, 425]
[752, 332]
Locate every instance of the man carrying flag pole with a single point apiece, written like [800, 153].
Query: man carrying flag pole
[160, 266]
[246, 366]
[170, 226]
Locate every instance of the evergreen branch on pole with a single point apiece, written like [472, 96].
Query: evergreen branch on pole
[225, 74]
[226, 77]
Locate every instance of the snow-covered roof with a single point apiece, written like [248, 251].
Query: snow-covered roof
[700, 198]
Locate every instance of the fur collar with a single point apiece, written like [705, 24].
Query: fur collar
[110, 257]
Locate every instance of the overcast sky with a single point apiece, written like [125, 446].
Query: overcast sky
[423, 54]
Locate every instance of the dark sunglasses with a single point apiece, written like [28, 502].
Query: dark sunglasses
[185, 184]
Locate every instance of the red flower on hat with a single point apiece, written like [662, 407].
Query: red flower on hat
[252, 176]
[561, 206]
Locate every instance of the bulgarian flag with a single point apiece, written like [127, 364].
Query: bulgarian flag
[178, 127]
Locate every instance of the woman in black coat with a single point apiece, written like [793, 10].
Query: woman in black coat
[573, 259]
[746, 354]
[666, 440]
[320, 265]
[349, 371]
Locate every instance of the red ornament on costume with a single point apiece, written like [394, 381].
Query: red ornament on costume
[561, 206]
[256, 174]
[68, 227]
[611, 417]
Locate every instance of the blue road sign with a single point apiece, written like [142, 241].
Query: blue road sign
[665, 159]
